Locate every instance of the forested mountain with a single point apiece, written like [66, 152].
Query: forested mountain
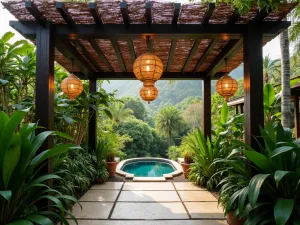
[170, 93]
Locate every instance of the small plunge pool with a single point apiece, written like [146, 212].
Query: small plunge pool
[148, 168]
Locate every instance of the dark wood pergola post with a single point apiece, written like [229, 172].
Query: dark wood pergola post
[253, 85]
[237, 109]
[44, 111]
[92, 129]
[242, 108]
[296, 115]
[206, 109]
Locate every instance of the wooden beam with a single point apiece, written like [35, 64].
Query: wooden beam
[71, 53]
[148, 14]
[60, 7]
[44, 103]
[261, 15]
[253, 87]
[101, 55]
[296, 116]
[205, 54]
[34, 11]
[119, 55]
[171, 54]
[131, 76]
[230, 50]
[206, 107]
[191, 54]
[176, 12]
[86, 54]
[131, 50]
[159, 31]
[92, 126]
[234, 17]
[125, 14]
[210, 9]
[95, 14]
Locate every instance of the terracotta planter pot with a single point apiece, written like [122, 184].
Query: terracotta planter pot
[231, 220]
[186, 169]
[111, 167]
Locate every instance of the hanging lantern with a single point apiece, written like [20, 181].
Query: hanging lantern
[226, 86]
[72, 86]
[148, 67]
[148, 92]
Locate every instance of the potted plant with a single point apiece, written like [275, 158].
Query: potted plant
[186, 164]
[101, 153]
[111, 163]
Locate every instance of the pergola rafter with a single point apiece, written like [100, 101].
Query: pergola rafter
[191, 47]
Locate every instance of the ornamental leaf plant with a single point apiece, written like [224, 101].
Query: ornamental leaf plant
[23, 187]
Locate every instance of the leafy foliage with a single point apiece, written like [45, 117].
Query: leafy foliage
[22, 185]
[174, 152]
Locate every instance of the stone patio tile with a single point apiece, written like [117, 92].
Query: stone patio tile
[196, 196]
[125, 210]
[100, 196]
[149, 196]
[92, 210]
[147, 186]
[187, 186]
[165, 222]
[108, 186]
[205, 210]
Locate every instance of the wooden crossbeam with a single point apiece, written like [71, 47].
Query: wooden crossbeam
[234, 17]
[118, 53]
[101, 55]
[148, 13]
[159, 31]
[86, 54]
[205, 54]
[95, 14]
[125, 14]
[231, 48]
[165, 76]
[210, 9]
[176, 12]
[261, 15]
[131, 50]
[191, 54]
[34, 11]
[60, 7]
[171, 54]
[70, 52]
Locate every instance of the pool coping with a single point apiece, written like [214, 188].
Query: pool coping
[178, 169]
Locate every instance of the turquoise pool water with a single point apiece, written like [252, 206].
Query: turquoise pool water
[148, 168]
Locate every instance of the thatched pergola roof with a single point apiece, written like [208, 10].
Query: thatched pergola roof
[105, 37]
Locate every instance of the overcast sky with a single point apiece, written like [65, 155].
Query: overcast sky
[272, 48]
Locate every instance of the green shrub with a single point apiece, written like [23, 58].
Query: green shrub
[77, 170]
[272, 196]
[174, 152]
[22, 185]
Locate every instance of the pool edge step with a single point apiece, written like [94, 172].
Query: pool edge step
[149, 179]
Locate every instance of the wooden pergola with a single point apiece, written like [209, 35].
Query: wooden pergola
[105, 37]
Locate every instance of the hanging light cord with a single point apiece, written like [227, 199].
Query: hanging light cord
[148, 43]
[72, 69]
[226, 60]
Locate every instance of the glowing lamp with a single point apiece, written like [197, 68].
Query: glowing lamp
[148, 92]
[226, 86]
[72, 86]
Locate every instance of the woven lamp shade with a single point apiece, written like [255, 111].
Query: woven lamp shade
[226, 87]
[72, 86]
[148, 67]
[148, 92]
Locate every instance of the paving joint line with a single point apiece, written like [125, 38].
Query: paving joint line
[114, 205]
[184, 206]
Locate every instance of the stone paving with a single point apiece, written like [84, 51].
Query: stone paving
[148, 203]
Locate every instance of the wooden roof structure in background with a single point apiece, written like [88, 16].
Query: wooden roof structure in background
[105, 37]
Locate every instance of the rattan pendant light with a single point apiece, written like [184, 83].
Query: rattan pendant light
[148, 92]
[226, 86]
[148, 67]
[72, 86]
